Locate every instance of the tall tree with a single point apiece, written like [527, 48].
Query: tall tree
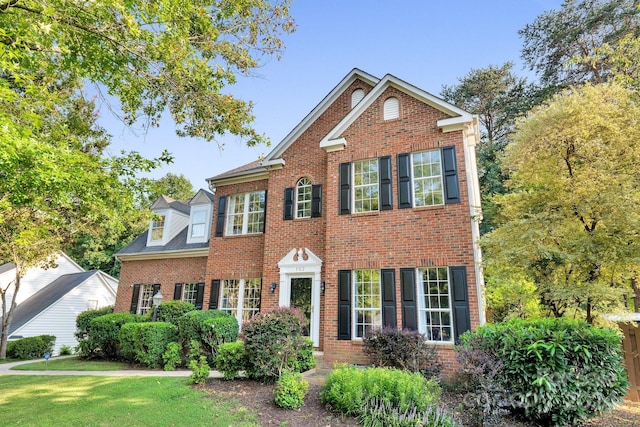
[175, 186]
[553, 42]
[498, 97]
[571, 220]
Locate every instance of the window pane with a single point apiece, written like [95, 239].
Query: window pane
[190, 292]
[146, 299]
[427, 178]
[157, 228]
[303, 198]
[368, 307]
[435, 310]
[365, 179]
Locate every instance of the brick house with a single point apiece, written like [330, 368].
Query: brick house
[365, 215]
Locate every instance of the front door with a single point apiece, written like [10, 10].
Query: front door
[301, 298]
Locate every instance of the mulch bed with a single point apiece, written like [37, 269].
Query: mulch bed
[258, 398]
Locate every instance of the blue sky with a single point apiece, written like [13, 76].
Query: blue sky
[426, 43]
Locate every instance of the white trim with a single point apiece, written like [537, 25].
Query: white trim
[333, 144]
[182, 253]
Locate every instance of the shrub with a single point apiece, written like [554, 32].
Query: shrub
[146, 342]
[306, 360]
[31, 347]
[65, 350]
[231, 359]
[556, 371]
[378, 413]
[200, 370]
[290, 390]
[273, 340]
[348, 389]
[172, 356]
[403, 349]
[171, 311]
[191, 326]
[86, 346]
[216, 331]
[104, 333]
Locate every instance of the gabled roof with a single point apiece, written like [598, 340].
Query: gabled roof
[165, 202]
[202, 196]
[46, 297]
[177, 246]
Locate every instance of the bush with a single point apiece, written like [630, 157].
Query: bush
[555, 371]
[200, 370]
[290, 390]
[104, 333]
[231, 359]
[216, 331]
[171, 311]
[191, 327]
[86, 346]
[403, 349]
[31, 347]
[273, 340]
[348, 389]
[306, 360]
[172, 356]
[377, 413]
[146, 342]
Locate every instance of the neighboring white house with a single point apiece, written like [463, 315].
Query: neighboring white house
[49, 300]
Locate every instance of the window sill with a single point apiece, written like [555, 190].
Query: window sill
[372, 213]
[429, 208]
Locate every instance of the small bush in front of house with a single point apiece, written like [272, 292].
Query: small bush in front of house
[403, 349]
[191, 328]
[377, 413]
[231, 359]
[104, 333]
[31, 347]
[348, 389]
[172, 357]
[554, 371]
[306, 360]
[65, 350]
[199, 370]
[146, 342]
[171, 311]
[290, 390]
[273, 340]
[86, 346]
[216, 331]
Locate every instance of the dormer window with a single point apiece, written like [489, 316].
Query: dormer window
[157, 228]
[198, 223]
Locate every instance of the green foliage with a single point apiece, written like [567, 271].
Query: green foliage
[200, 371]
[348, 389]
[306, 360]
[83, 321]
[555, 371]
[65, 350]
[146, 342]
[172, 357]
[231, 359]
[104, 333]
[290, 390]
[31, 347]
[273, 340]
[403, 349]
[216, 331]
[378, 413]
[171, 311]
[201, 326]
[177, 187]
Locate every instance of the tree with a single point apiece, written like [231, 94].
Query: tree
[154, 56]
[175, 186]
[570, 223]
[498, 97]
[553, 42]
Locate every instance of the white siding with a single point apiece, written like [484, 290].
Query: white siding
[60, 318]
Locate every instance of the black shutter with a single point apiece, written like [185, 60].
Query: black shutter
[408, 295]
[177, 291]
[288, 203]
[384, 176]
[345, 188]
[135, 297]
[199, 296]
[156, 288]
[222, 207]
[404, 181]
[316, 201]
[461, 315]
[450, 172]
[264, 217]
[389, 298]
[344, 305]
[213, 296]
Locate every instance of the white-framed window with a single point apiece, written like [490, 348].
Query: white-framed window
[190, 292]
[391, 108]
[157, 227]
[198, 223]
[434, 304]
[241, 298]
[303, 198]
[365, 185]
[146, 299]
[427, 178]
[367, 301]
[245, 214]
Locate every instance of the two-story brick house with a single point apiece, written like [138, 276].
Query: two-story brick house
[365, 215]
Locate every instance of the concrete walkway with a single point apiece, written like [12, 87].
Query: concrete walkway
[5, 369]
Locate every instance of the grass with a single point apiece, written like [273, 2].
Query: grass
[30, 400]
[72, 364]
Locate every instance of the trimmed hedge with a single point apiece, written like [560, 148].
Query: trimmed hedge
[171, 311]
[104, 333]
[146, 342]
[31, 347]
[85, 345]
[555, 371]
[209, 328]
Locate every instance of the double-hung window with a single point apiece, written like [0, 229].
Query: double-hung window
[246, 213]
[367, 308]
[365, 185]
[146, 299]
[434, 304]
[241, 298]
[303, 198]
[157, 227]
[198, 223]
[427, 178]
[190, 292]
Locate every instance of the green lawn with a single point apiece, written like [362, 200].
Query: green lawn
[72, 364]
[113, 401]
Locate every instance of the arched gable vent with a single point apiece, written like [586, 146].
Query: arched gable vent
[391, 108]
[356, 97]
